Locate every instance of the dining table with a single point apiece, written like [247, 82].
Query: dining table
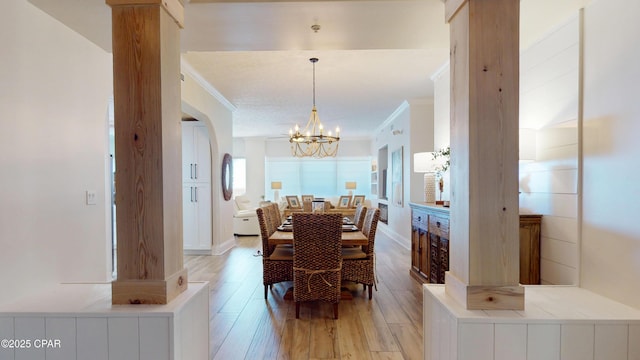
[348, 238]
[351, 235]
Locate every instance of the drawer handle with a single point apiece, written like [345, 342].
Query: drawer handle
[419, 218]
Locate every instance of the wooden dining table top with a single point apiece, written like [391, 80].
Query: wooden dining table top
[348, 238]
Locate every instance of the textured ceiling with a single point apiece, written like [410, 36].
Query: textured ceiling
[373, 54]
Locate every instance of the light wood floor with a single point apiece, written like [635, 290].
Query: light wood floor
[245, 326]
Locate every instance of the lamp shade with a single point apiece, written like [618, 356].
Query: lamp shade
[276, 185]
[350, 185]
[423, 162]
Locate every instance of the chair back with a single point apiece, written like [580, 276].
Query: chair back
[369, 229]
[317, 260]
[265, 230]
[277, 215]
[358, 217]
[273, 216]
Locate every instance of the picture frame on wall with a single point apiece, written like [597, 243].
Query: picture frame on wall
[397, 185]
[293, 202]
[344, 202]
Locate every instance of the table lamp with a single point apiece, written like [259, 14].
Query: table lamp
[350, 185]
[423, 163]
[276, 186]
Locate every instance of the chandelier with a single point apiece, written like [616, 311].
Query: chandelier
[312, 140]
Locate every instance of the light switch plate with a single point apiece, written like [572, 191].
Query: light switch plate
[91, 197]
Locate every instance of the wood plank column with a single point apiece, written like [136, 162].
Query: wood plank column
[148, 153]
[484, 248]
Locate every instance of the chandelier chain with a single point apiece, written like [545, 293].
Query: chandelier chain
[312, 141]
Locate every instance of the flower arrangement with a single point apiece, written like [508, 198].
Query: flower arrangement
[443, 158]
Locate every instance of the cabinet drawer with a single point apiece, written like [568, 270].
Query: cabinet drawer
[419, 219]
[439, 226]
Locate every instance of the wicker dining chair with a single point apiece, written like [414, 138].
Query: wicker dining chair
[277, 261]
[317, 260]
[358, 264]
[274, 215]
[276, 211]
[358, 217]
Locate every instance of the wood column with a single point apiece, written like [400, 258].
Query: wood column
[484, 248]
[148, 154]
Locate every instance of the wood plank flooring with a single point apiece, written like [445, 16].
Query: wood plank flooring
[243, 325]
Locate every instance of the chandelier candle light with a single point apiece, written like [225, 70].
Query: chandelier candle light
[312, 140]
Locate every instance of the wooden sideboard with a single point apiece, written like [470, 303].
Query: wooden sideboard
[430, 244]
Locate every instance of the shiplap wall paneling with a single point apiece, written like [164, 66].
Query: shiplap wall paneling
[560, 228]
[448, 328]
[92, 338]
[123, 339]
[64, 330]
[558, 181]
[543, 342]
[428, 312]
[561, 252]
[575, 342]
[476, 341]
[562, 205]
[192, 329]
[510, 342]
[29, 328]
[553, 273]
[440, 331]
[611, 342]
[437, 317]
[6, 332]
[549, 78]
[440, 337]
[154, 338]
[549, 186]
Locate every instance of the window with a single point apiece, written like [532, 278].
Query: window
[239, 166]
[320, 177]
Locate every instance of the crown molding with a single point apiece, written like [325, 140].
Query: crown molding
[188, 69]
[400, 109]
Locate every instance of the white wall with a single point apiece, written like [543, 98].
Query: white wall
[54, 96]
[441, 119]
[201, 101]
[611, 210]
[549, 185]
[414, 120]
[420, 140]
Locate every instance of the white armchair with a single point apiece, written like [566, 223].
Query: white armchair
[245, 218]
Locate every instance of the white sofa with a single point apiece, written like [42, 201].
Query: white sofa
[245, 218]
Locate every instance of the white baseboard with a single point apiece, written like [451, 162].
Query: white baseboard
[223, 247]
[197, 251]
